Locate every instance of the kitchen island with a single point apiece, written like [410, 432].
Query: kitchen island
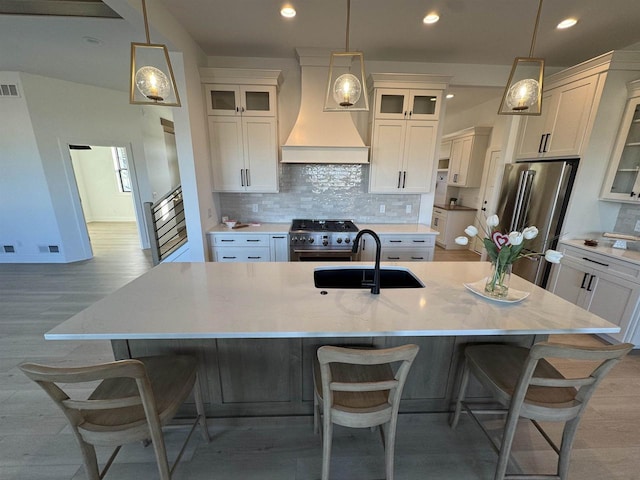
[255, 326]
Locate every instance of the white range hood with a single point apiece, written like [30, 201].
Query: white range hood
[317, 136]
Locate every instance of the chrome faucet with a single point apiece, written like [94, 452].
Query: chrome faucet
[375, 287]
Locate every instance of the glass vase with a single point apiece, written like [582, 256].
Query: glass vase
[498, 280]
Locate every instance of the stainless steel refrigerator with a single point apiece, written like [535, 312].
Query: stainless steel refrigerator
[536, 194]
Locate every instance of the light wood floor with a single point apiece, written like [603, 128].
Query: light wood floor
[36, 445]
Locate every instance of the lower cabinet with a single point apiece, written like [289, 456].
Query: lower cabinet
[249, 247]
[602, 285]
[451, 224]
[273, 376]
[398, 247]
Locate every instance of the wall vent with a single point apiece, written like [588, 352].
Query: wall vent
[9, 90]
[54, 249]
[9, 249]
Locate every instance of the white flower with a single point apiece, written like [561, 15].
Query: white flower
[515, 238]
[461, 240]
[530, 233]
[471, 231]
[553, 256]
[493, 221]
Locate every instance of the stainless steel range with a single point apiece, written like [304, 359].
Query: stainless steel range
[322, 240]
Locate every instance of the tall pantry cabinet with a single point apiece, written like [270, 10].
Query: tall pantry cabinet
[243, 128]
[404, 131]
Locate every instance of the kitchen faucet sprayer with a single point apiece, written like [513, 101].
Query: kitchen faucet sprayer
[375, 287]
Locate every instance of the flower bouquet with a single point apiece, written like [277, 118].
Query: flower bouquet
[503, 250]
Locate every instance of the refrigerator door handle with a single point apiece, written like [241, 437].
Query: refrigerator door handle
[523, 196]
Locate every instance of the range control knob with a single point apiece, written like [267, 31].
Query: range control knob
[325, 241]
[311, 240]
[339, 240]
[294, 239]
[347, 240]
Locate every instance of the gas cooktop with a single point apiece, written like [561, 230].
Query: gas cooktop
[304, 225]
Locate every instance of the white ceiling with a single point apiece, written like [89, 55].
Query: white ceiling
[469, 31]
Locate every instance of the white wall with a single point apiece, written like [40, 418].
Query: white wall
[155, 151]
[102, 200]
[44, 208]
[26, 218]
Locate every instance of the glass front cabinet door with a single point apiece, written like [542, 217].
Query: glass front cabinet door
[623, 179]
[398, 104]
[248, 100]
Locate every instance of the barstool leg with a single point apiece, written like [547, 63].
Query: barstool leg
[568, 435]
[462, 392]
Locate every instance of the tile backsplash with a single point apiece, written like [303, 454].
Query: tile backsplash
[628, 216]
[321, 191]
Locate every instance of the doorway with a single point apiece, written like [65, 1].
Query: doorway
[106, 189]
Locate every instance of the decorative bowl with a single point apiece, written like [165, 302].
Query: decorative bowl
[231, 223]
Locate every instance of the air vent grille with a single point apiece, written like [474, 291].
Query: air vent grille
[9, 90]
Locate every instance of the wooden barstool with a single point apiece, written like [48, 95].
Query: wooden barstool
[528, 386]
[134, 399]
[358, 388]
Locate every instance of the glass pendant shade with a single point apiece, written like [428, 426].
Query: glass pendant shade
[523, 93]
[346, 86]
[152, 79]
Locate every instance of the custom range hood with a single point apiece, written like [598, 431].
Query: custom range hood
[317, 136]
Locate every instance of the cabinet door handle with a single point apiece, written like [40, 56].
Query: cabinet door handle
[546, 141]
[595, 261]
[590, 282]
[393, 258]
[483, 209]
[252, 240]
[417, 258]
[404, 178]
[584, 279]
[242, 109]
[435, 221]
[455, 178]
[225, 240]
[410, 113]
[541, 141]
[247, 177]
[278, 236]
[632, 194]
[395, 241]
[399, 177]
[418, 241]
[242, 177]
[405, 114]
[229, 258]
[254, 258]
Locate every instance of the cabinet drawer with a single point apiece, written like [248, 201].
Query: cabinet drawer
[602, 263]
[415, 241]
[241, 254]
[407, 255]
[240, 240]
[439, 211]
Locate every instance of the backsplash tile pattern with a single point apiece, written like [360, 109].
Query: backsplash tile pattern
[323, 192]
[627, 218]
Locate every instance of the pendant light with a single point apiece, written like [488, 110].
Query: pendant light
[152, 79]
[523, 93]
[346, 86]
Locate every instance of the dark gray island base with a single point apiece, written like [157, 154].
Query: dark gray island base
[272, 376]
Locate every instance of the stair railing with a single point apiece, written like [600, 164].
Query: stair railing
[166, 224]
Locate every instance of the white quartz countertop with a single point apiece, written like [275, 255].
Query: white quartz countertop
[394, 228]
[275, 228]
[604, 248]
[279, 300]
[398, 228]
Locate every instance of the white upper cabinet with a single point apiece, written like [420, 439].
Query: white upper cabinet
[468, 151]
[249, 100]
[622, 182]
[243, 128]
[407, 104]
[562, 128]
[404, 123]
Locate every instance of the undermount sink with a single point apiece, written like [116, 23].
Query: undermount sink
[359, 277]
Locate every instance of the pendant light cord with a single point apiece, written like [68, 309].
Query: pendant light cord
[146, 25]
[348, 22]
[535, 29]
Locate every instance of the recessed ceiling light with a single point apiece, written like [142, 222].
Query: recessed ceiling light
[288, 12]
[450, 95]
[431, 18]
[92, 40]
[567, 23]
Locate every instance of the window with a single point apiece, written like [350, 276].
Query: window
[121, 165]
